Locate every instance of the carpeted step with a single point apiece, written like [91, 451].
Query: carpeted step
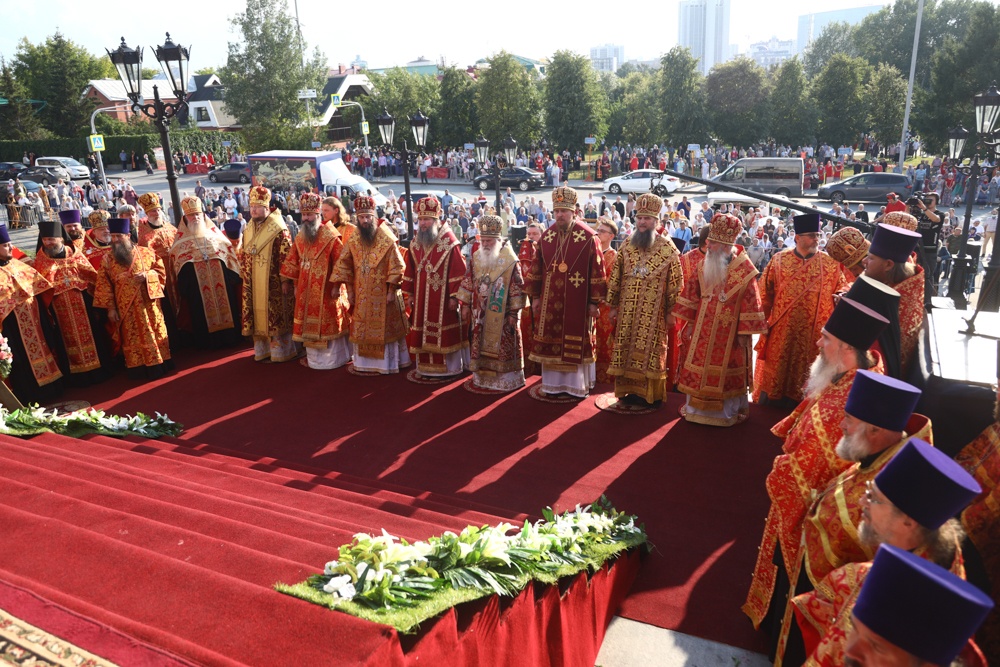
[110, 581]
[189, 534]
[224, 493]
[274, 469]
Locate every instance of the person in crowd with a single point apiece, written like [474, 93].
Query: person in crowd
[267, 311]
[34, 376]
[86, 352]
[911, 611]
[797, 288]
[722, 308]
[890, 262]
[321, 320]
[334, 213]
[205, 273]
[643, 286]
[607, 231]
[491, 296]
[130, 284]
[434, 273]
[371, 268]
[810, 436]
[567, 277]
[849, 247]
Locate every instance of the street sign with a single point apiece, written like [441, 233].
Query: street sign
[336, 100]
[364, 127]
[307, 94]
[590, 140]
[227, 144]
[96, 142]
[316, 144]
[694, 147]
[470, 147]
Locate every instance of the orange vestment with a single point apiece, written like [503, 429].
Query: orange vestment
[798, 298]
[319, 317]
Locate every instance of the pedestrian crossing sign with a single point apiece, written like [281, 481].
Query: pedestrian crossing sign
[336, 100]
[364, 127]
[96, 142]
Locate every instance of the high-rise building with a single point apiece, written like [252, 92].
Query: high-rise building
[811, 25]
[772, 52]
[607, 58]
[704, 29]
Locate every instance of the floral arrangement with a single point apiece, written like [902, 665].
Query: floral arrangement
[33, 420]
[389, 580]
[6, 358]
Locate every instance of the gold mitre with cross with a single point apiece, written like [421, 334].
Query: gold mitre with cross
[564, 198]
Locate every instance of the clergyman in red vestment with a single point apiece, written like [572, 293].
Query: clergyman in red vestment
[434, 272]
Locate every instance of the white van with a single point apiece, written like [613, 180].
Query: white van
[74, 168]
[338, 181]
[777, 175]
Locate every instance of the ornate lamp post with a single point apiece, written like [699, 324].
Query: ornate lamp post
[987, 107]
[174, 60]
[419, 123]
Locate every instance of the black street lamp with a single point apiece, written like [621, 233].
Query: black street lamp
[420, 124]
[174, 60]
[987, 107]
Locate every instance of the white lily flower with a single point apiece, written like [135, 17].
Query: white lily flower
[337, 583]
[347, 592]
[330, 567]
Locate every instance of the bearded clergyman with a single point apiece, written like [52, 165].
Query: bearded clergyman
[130, 285]
[645, 280]
[434, 271]
[492, 296]
[722, 306]
[267, 310]
[371, 270]
[206, 278]
[321, 319]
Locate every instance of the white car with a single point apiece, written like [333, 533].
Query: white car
[641, 180]
[75, 169]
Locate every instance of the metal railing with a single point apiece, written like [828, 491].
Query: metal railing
[15, 216]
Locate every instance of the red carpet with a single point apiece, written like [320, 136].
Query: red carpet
[361, 445]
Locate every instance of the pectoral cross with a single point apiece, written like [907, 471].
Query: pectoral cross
[577, 279]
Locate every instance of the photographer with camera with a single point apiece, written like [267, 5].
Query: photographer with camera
[923, 206]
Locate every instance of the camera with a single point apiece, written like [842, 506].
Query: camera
[917, 197]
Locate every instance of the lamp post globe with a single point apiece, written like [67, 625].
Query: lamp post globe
[174, 60]
[420, 125]
[386, 126]
[987, 107]
[510, 150]
[128, 62]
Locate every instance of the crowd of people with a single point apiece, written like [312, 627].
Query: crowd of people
[647, 297]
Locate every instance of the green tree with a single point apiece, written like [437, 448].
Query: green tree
[206, 70]
[404, 93]
[683, 109]
[18, 120]
[835, 38]
[793, 116]
[838, 94]
[458, 95]
[508, 102]
[885, 97]
[639, 111]
[963, 66]
[576, 105]
[263, 74]
[56, 72]
[737, 94]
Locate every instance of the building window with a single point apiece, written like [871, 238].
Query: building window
[203, 115]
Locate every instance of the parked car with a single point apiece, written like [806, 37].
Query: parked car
[869, 186]
[75, 169]
[642, 180]
[44, 175]
[774, 175]
[9, 170]
[234, 172]
[521, 178]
